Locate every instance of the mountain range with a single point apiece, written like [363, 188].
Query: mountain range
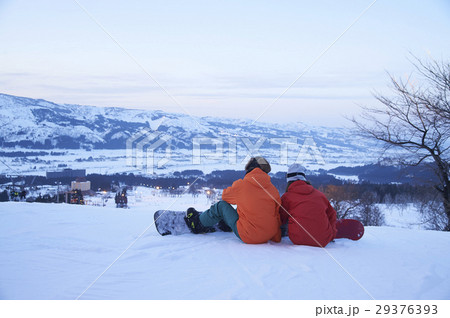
[40, 124]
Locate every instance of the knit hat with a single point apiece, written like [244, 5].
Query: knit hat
[296, 172]
[258, 162]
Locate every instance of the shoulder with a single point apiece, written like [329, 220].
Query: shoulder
[237, 182]
[236, 185]
[319, 193]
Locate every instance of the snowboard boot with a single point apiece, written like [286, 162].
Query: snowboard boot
[192, 220]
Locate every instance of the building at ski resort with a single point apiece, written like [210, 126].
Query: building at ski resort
[81, 184]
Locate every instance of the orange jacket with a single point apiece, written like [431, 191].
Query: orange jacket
[259, 219]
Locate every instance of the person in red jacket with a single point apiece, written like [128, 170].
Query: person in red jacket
[311, 219]
[256, 219]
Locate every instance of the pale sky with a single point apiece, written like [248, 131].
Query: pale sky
[217, 58]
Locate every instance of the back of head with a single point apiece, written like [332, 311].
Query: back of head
[257, 162]
[296, 172]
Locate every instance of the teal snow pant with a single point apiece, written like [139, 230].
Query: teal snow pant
[221, 211]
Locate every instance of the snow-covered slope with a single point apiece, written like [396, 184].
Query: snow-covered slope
[52, 251]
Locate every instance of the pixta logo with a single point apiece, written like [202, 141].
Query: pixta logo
[142, 147]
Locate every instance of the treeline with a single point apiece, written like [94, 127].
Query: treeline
[16, 154]
[381, 193]
[220, 179]
[378, 173]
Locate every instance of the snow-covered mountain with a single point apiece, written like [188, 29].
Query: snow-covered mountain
[101, 134]
[40, 124]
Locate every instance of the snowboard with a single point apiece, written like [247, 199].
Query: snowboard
[172, 223]
[350, 229]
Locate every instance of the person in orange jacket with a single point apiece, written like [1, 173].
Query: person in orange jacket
[310, 216]
[256, 219]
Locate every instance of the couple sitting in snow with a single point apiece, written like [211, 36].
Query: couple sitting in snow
[261, 212]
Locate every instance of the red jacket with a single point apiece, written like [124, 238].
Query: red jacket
[304, 205]
[258, 202]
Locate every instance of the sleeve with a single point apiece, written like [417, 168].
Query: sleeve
[284, 217]
[230, 194]
[331, 213]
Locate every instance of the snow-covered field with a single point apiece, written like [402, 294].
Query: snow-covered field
[106, 161]
[56, 251]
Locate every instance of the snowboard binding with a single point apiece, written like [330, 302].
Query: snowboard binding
[192, 220]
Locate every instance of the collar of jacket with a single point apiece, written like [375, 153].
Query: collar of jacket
[300, 187]
[257, 176]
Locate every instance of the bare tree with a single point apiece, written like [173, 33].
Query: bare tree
[351, 205]
[344, 200]
[437, 97]
[369, 213]
[416, 119]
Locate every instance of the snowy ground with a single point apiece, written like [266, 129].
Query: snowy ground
[55, 251]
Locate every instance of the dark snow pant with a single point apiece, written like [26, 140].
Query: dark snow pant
[221, 211]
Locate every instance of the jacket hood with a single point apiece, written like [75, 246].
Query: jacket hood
[258, 177]
[300, 187]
